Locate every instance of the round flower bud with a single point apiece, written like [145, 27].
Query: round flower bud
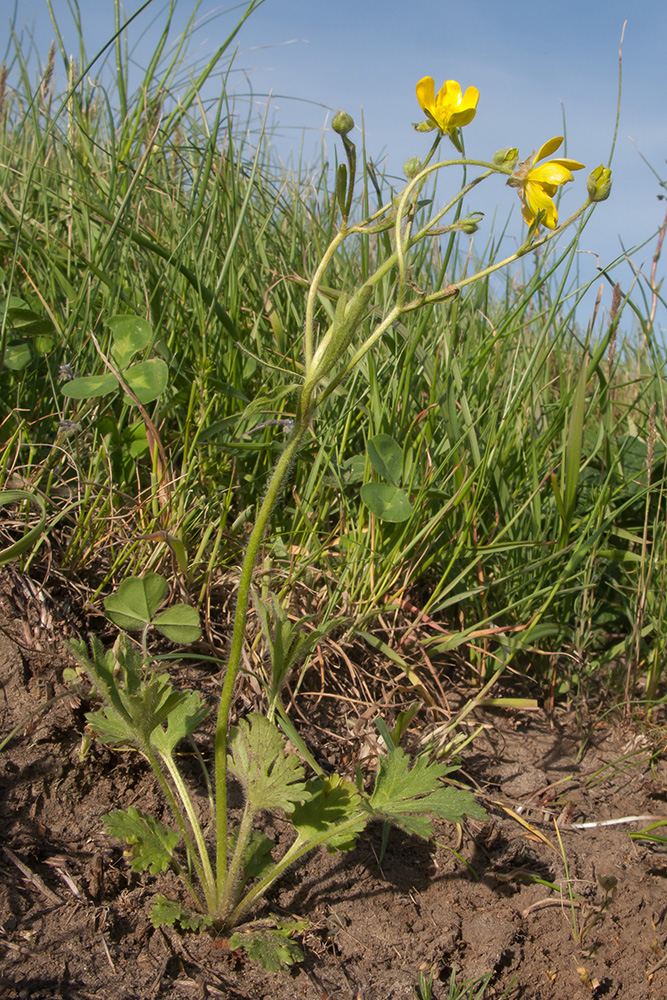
[342, 123]
[412, 167]
[598, 184]
[425, 126]
[506, 157]
[470, 224]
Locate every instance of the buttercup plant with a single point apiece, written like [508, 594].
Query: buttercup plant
[227, 869]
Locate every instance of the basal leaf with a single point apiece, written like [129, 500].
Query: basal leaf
[270, 779]
[43, 343]
[153, 704]
[397, 781]
[137, 704]
[17, 356]
[386, 502]
[135, 439]
[386, 457]
[8, 304]
[152, 844]
[169, 912]
[112, 727]
[186, 712]
[454, 804]
[331, 803]
[29, 322]
[272, 948]
[258, 860]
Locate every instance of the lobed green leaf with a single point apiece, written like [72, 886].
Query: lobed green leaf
[152, 843]
[130, 334]
[270, 779]
[168, 912]
[408, 797]
[332, 802]
[186, 711]
[271, 947]
[147, 379]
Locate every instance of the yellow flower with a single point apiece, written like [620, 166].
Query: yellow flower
[448, 109]
[538, 184]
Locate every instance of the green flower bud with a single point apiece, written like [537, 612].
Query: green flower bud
[470, 224]
[506, 157]
[425, 126]
[412, 167]
[598, 184]
[342, 123]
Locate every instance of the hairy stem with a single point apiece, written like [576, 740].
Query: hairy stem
[276, 484]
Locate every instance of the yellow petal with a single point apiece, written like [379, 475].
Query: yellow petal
[550, 172]
[460, 118]
[426, 93]
[539, 201]
[448, 97]
[466, 108]
[569, 164]
[549, 147]
[470, 98]
[528, 216]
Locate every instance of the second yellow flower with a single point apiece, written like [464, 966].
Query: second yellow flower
[538, 184]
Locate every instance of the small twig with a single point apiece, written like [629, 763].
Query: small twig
[614, 822]
[658, 965]
[541, 904]
[32, 876]
[59, 868]
[107, 952]
[4, 943]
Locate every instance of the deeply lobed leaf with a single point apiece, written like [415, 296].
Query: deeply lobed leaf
[271, 947]
[408, 796]
[152, 843]
[270, 779]
[169, 912]
[186, 712]
[332, 802]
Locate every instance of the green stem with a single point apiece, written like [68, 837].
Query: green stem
[295, 852]
[312, 293]
[276, 483]
[182, 825]
[389, 319]
[526, 248]
[207, 877]
[233, 881]
[390, 262]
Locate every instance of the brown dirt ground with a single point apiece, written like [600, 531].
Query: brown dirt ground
[74, 918]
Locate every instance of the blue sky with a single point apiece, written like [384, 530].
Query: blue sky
[534, 64]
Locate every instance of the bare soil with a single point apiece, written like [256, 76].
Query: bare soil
[74, 917]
